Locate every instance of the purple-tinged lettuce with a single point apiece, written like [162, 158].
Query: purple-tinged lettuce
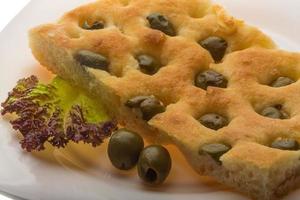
[56, 113]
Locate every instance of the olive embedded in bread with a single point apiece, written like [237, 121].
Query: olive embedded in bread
[213, 121]
[215, 150]
[136, 101]
[210, 78]
[159, 22]
[272, 112]
[92, 60]
[95, 26]
[282, 81]
[148, 105]
[216, 46]
[147, 64]
[151, 107]
[285, 144]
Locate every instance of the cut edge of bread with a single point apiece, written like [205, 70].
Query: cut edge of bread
[48, 53]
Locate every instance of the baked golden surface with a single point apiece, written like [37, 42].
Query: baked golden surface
[249, 66]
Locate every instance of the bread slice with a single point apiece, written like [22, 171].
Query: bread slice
[127, 34]
[251, 165]
[250, 65]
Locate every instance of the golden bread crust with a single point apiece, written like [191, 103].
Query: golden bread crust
[249, 65]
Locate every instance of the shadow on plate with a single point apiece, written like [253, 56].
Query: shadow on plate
[95, 163]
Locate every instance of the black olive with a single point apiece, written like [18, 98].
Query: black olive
[213, 121]
[154, 164]
[148, 64]
[159, 22]
[124, 149]
[216, 46]
[151, 107]
[210, 78]
[92, 60]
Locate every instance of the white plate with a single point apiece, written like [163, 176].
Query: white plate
[85, 173]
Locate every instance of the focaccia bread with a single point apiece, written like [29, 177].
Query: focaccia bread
[256, 146]
[120, 31]
[189, 73]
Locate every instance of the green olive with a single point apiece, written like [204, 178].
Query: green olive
[273, 112]
[210, 78]
[159, 22]
[124, 149]
[216, 46]
[285, 144]
[154, 164]
[282, 81]
[215, 150]
[151, 107]
[92, 60]
[148, 64]
[213, 121]
[96, 25]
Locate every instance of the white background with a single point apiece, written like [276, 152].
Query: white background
[18, 169]
[8, 10]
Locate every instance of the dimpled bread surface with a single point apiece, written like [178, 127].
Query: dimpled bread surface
[250, 64]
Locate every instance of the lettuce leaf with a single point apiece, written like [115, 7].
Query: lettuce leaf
[56, 113]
